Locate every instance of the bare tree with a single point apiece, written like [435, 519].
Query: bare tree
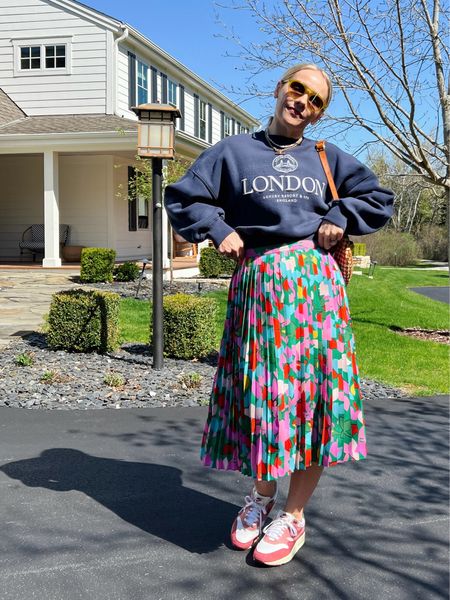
[386, 59]
[417, 202]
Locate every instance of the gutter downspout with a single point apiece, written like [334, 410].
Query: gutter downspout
[116, 61]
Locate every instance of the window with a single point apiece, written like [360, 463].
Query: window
[142, 213]
[172, 92]
[30, 57]
[42, 56]
[142, 83]
[55, 57]
[227, 126]
[138, 211]
[202, 120]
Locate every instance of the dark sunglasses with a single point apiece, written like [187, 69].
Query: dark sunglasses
[298, 88]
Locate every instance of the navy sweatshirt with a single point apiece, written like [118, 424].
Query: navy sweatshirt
[241, 185]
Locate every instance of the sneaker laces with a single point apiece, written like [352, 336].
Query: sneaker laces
[256, 511]
[276, 529]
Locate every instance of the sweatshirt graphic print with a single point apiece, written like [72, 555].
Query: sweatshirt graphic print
[241, 185]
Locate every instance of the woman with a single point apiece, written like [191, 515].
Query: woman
[286, 395]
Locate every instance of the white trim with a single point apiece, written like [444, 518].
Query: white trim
[68, 142]
[88, 13]
[115, 67]
[57, 40]
[110, 72]
[19, 143]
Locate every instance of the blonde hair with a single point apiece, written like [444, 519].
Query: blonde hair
[311, 67]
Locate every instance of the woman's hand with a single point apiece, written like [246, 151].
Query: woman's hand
[232, 246]
[329, 234]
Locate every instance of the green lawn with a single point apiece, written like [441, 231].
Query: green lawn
[378, 306]
[134, 320]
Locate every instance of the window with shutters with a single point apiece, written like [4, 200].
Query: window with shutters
[202, 119]
[142, 83]
[138, 205]
[142, 214]
[172, 92]
[227, 126]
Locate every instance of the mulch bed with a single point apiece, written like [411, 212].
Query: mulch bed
[441, 336]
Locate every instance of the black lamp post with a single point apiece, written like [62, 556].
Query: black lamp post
[156, 140]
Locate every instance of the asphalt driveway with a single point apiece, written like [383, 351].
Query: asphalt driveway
[440, 293]
[114, 505]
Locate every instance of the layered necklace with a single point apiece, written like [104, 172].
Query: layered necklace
[279, 148]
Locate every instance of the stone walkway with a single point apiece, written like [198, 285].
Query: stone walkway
[25, 297]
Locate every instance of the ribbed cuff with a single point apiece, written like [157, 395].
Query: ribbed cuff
[218, 231]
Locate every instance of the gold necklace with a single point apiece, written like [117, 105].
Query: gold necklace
[279, 148]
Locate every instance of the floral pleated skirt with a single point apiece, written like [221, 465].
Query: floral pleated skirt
[286, 393]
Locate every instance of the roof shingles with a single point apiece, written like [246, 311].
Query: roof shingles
[65, 124]
[9, 111]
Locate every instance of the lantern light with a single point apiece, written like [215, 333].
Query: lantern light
[156, 130]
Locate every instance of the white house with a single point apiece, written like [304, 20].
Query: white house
[68, 77]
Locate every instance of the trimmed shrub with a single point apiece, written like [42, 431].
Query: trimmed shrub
[84, 321]
[392, 248]
[212, 264]
[189, 326]
[433, 242]
[97, 264]
[128, 271]
[359, 249]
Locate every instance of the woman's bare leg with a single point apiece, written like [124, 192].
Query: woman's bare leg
[266, 488]
[301, 488]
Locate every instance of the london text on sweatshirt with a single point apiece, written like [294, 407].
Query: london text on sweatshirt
[241, 185]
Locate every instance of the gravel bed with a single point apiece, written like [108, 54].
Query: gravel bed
[62, 381]
[187, 286]
[58, 380]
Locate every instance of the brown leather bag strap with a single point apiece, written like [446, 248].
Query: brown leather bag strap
[320, 147]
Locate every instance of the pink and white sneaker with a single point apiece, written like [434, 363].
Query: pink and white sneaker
[283, 537]
[248, 524]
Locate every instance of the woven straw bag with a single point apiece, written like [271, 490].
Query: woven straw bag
[342, 252]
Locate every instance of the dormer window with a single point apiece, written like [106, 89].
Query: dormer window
[42, 56]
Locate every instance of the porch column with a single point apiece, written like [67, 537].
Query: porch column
[51, 210]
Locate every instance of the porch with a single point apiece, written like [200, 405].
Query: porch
[182, 266]
[76, 170]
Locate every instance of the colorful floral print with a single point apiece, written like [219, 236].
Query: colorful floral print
[286, 393]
